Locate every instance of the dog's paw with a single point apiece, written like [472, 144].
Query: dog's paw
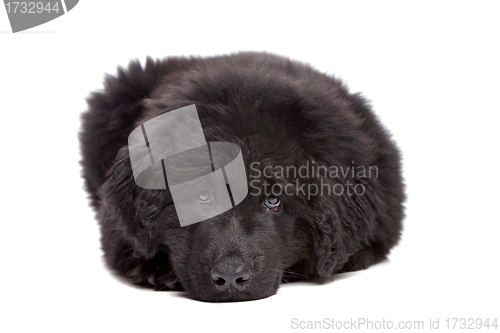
[160, 274]
[165, 282]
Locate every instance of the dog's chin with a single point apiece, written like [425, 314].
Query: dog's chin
[259, 289]
[232, 297]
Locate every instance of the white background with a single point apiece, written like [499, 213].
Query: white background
[431, 70]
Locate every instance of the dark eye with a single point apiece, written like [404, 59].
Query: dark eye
[203, 196]
[272, 203]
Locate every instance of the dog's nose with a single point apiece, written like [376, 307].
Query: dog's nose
[230, 271]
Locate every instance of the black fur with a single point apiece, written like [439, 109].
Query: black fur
[281, 113]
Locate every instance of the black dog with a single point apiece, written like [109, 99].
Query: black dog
[325, 187]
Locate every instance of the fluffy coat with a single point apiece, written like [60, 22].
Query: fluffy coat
[281, 113]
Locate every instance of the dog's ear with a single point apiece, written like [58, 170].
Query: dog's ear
[132, 210]
[342, 224]
[329, 250]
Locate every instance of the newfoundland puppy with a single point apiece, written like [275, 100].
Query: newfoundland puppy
[325, 191]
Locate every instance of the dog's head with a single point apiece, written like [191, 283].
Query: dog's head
[276, 233]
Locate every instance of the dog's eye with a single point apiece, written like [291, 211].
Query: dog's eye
[272, 203]
[204, 196]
